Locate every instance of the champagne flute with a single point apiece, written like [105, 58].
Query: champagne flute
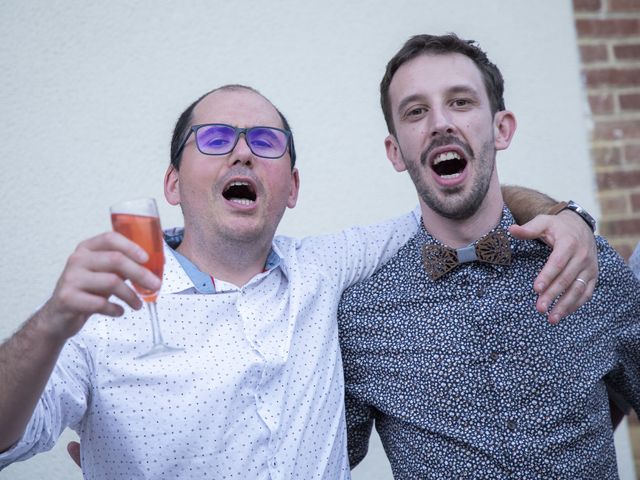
[138, 220]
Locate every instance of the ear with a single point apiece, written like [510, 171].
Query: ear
[295, 188]
[504, 126]
[394, 154]
[172, 186]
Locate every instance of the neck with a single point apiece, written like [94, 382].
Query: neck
[235, 262]
[460, 233]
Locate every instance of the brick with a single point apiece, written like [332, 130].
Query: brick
[593, 53]
[601, 103]
[612, 77]
[606, 156]
[629, 101]
[635, 202]
[627, 226]
[613, 205]
[624, 6]
[627, 51]
[632, 154]
[586, 5]
[616, 180]
[618, 28]
[616, 130]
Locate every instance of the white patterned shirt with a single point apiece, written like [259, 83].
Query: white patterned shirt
[258, 392]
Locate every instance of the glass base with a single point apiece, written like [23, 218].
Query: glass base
[159, 350]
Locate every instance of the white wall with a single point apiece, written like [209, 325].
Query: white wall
[90, 90]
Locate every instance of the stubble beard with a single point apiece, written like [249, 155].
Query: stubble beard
[455, 204]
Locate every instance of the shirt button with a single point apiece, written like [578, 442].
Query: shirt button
[495, 356]
[480, 292]
[511, 425]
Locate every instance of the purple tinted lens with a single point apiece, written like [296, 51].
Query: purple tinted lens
[267, 142]
[216, 139]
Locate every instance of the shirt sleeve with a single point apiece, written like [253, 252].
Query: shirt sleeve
[62, 404]
[634, 261]
[357, 252]
[624, 379]
[359, 425]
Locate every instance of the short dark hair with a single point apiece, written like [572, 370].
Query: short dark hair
[441, 45]
[183, 125]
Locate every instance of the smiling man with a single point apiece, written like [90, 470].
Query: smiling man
[443, 347]
[257, 389]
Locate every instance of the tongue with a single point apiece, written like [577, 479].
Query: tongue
[449, 168]
[237, 193]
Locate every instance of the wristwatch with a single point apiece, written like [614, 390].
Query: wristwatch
[574, 207]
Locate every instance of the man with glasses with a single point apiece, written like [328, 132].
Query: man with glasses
[257, 390]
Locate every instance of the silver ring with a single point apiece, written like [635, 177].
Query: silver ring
[581, 281]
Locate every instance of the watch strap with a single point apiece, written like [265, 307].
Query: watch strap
[557, 208]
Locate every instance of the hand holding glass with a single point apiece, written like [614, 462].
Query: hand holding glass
[138, 220]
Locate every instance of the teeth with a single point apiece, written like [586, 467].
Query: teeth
[241, 201]
[239, 184]
[447, 177]
[446, 156]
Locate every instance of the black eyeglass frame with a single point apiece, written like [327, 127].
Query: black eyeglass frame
[238, 131]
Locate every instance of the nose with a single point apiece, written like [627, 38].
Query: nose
[441, 122]
[241, 152]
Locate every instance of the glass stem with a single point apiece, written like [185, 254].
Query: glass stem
[155, 326]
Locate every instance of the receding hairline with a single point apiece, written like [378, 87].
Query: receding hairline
[238, 88]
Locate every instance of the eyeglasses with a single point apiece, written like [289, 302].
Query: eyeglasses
[220, 139]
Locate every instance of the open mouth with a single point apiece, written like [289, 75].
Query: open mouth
[240, 192]
[449, 165]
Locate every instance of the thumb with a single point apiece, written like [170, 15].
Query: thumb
[531, 230]
[527, 231]
[74, 452]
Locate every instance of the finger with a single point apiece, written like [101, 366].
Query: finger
[568, 303]
[559, 286]
[92, 290]
[74, 452]
[588, 293]
[567, 262]
[114, 241]
[556, 275]
[84, 262]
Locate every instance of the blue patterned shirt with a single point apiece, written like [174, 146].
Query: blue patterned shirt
[466, 380]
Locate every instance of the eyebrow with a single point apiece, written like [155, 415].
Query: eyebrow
[407, 100]
[456, 89]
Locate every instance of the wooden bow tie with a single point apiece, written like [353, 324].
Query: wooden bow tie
[492, 248]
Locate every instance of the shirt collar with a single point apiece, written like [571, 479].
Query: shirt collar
[201, 281]
[506, 220]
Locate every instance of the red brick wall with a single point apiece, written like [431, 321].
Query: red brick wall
[609, 41]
